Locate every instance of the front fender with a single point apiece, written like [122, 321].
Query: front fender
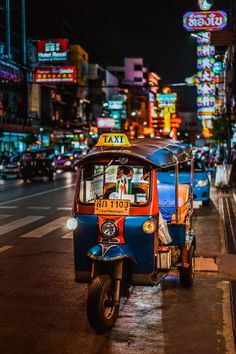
[110, 253]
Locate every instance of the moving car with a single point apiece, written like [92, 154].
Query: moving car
[65, 162]
[10, 167]
[201, 185]
[38, 163]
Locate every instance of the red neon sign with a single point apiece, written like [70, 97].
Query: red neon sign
[57, 75]
[52, 50]
[205, 20]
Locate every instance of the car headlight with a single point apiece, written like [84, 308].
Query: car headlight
[1, 167]
[109, 229]
[53, 163]
[149, 226]
[202, 183]
[72, 224]
[68, 163]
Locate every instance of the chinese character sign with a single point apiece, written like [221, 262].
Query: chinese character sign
[54, 50]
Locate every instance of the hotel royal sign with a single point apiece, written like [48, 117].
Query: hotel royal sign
[204, 22]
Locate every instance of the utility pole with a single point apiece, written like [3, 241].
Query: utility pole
[8, 28]
[23, 32]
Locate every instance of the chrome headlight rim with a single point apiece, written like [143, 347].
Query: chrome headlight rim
[149, 231]
[109, 224]
[72, 223]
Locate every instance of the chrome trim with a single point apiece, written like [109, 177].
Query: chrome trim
[100, 258]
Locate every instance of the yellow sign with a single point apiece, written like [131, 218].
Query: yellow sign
[112, 207]
[113, 139]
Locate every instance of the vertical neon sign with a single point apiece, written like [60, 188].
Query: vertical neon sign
[204, 23]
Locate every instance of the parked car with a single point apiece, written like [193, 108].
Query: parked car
[201, 189]
[65, 162]
[10, 167]
[38, 163]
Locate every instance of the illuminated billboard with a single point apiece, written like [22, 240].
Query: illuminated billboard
[116, 104]
[205, 20]
[53, 50]
[106, 123]
[166, 99]
[9, 72]
[56, 74]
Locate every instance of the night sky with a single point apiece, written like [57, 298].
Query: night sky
[123, 29]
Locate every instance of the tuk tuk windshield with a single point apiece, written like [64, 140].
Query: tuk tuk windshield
[115, 181]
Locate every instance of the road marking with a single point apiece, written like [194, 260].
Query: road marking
[67, 208]
[234, 197]
[38, 208]
[5, 248]
[69, 236]
[45, 229]
[19, 223]
[37, 194]
[9, 207]
[4, 216]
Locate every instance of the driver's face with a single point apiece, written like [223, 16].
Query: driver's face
[120, 173]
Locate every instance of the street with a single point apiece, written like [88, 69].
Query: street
[44, 311]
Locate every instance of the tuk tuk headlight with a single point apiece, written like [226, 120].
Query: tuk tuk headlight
[202, 183]
[72, 224]
[149, 226]
[109, 229]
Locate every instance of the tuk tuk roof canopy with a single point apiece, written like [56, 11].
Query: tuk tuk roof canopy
[156, 151]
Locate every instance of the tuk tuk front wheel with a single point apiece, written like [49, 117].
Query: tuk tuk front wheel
[101, 310]
[186, 275]
[205, 202]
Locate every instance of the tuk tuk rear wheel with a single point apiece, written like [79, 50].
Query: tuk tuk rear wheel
[24, 178]
[101, 310]
[186, 275]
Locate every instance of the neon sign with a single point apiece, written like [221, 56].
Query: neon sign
[205, 50]
[57, 74]
[53, 50]
[205, 20]
[205, 4]
[166, 99]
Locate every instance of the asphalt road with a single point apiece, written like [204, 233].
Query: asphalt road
[42, 309]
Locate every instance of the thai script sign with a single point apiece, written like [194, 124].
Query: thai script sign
[205, 20]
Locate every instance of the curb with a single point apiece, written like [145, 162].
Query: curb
[206, 264]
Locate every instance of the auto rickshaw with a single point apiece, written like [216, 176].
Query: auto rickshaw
[128, 228]
[38, 163]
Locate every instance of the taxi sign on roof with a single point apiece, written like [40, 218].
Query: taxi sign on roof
[113, 139]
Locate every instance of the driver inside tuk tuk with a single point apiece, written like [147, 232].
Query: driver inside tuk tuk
[126, 188]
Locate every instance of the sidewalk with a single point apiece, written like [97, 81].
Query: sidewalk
[211, 252]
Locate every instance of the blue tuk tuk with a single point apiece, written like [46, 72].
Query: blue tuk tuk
[128, 229]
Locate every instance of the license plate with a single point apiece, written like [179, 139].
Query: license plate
[112, 207]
